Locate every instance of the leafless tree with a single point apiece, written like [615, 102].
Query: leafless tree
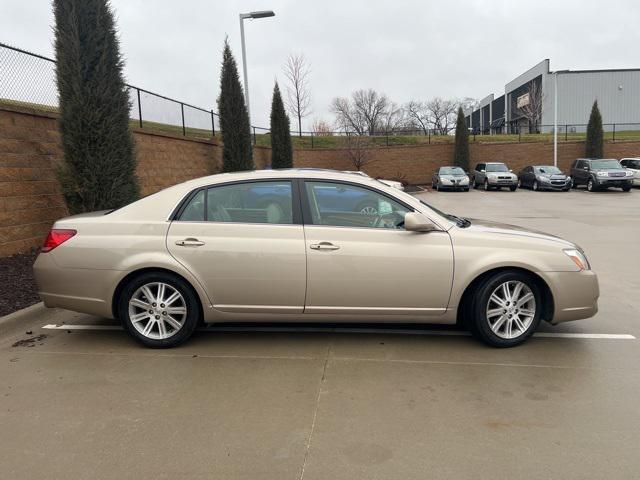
[321, 128]
[362, 113]
[359, 151]
[469, 103]
[418, 115]
[298, 101]
[442, 114]
[531, 109]
[393, 118]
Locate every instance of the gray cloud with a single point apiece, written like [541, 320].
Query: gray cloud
[408, 49]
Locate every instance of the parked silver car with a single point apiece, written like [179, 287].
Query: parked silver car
[494, 175]
[297, 245]
[451, 178]
[632, 164]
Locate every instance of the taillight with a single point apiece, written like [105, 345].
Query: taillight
[56, 237]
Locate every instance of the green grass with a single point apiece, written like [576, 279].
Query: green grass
[339, 141]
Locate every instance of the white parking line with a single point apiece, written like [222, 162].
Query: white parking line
[398, 331]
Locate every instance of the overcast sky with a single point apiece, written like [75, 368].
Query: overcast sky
[407, 49]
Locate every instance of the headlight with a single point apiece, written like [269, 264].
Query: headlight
[544, 179]
[578, 258]
[603, 174]
[629, 173]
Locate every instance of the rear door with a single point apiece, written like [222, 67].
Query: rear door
[362, 261]
[244, 242]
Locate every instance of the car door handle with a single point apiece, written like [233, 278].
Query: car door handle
[189, 242]
[324, 246]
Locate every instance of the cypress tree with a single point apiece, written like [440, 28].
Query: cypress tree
[461, 147]
[99, 165]
[594, 146]
[237, 154]
[281, 149]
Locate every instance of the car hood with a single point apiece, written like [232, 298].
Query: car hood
[453, 177]
[555, 176]
[506, 229]
[608, 170]
[505, 174]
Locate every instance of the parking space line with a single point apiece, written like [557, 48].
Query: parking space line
[393, 331]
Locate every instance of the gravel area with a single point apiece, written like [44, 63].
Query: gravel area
[17, 286]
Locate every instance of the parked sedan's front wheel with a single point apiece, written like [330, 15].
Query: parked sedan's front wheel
[506, 309]
[158, 309]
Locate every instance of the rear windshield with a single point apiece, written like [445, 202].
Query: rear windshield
[605, 164]
[497, 167]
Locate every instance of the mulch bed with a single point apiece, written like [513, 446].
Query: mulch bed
[17, 286]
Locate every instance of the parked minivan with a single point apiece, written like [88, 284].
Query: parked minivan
[600, 173]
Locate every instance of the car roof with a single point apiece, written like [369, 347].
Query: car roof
[494, 163]
[316, 173]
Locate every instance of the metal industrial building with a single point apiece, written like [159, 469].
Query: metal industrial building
[528, 101]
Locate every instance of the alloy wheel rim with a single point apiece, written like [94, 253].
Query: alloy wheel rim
[511, 309]
[535, 185]
[369, 210]
[486, 185]
[157, 310]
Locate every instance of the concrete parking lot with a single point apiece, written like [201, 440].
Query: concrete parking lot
[85, 401]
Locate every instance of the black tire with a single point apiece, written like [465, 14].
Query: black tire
[535, 186]
[475, 185]
[626, 189]
[466, 189]
[486, 185]
[573, 183]
[513, 188]
[477, 320]
[520, 183]
[591, 185]
[191, 302]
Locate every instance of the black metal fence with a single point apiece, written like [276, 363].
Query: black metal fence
[28, 79]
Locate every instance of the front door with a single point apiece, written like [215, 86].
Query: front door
[244, 242]
[361, 260]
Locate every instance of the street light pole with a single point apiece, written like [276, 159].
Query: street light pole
[243, 16]
[555, 119]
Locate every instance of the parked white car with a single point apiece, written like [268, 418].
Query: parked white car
[632, 164]
[389, 183]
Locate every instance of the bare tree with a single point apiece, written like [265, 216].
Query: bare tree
[393, 118]
[298, 101]
[362, 113]
[442, 114]
[359, 152]
[418, 114]
[531, 105]
[321, 128]
[469, 103]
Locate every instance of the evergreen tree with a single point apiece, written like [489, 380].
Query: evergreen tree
[461, 147]
[99, 160]
[594, 147]
[237, 153]
[281, 149]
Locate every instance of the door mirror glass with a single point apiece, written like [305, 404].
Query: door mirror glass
[417, 222]
[483, 170]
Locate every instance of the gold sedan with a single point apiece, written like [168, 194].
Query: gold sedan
[307, 245]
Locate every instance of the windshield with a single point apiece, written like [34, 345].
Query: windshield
[635, 164]
[605, 164]
[496, 167]
[451, 171]
[549, 170]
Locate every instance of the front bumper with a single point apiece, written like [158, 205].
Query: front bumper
[495, 182]
[614, 182]
[554, 186]
[575, 294]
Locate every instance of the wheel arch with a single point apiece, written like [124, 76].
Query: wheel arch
[135, 273]
[548, 304]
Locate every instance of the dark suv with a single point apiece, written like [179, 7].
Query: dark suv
[599, 173]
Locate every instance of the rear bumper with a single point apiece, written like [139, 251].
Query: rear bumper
[575, 294]
[77, 289]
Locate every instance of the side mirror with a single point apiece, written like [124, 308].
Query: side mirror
[482, 171]
[585, 167]
[417, 222]
[511, 170]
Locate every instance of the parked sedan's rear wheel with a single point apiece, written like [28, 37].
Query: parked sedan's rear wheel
[158, 309]
[506, 309]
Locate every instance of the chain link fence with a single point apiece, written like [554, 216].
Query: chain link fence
[28, 79]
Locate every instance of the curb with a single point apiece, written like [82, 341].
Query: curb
[10, 321]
